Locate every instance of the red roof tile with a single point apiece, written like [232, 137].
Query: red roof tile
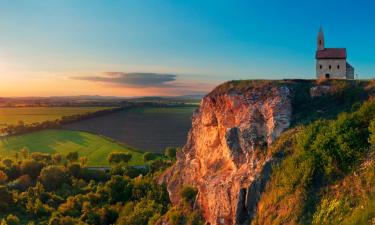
[331, 53]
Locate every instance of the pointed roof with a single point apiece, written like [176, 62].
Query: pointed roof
[331, 53]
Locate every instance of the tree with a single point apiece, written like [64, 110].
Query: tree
[7, 162]
[52, 177]
[10, 220]
[170, 152]
[3, 177]
[24, 152]
[41, 157]
[31, 167]
[119, 157]
[72, 156]
[57, 158]
[148, 156]
[6, 198]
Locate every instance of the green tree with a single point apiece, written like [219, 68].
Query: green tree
[31, 168]
[72, 157]
[119, 157]
[52, 177]
[170, 152]
[148, 156]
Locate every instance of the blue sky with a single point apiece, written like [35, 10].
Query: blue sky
[51, 43]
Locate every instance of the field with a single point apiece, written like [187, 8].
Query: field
[96, 148]
[13, 115]
[148, 128]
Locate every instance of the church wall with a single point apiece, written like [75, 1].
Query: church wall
[334, 72]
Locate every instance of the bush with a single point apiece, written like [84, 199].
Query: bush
[52, 177]
[188, 194]
[119, 157]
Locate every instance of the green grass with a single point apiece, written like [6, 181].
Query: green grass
[12, 115]
[95, 148]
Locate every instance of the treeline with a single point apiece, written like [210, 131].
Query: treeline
[22, 128]
[40, 188]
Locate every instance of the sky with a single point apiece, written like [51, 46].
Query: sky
[171, 47]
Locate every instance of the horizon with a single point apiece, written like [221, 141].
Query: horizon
[168, 48]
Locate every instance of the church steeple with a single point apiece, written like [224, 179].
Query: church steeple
[320, 40]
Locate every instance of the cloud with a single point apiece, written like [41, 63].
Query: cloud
[133, 79]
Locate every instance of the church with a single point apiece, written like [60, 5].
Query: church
[331, 62]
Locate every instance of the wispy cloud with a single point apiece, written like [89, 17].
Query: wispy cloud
[133, 79]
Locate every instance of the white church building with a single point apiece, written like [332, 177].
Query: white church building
[331, 62]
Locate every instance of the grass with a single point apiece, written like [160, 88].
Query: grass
[96, 148]
[12, 115]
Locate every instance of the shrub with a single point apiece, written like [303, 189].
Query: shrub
[52, 177]
[188, 193]
[119, 157]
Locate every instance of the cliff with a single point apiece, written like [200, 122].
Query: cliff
[227, 155]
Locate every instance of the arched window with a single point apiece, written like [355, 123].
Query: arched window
[338, 67]
[330, 66]
[320, 66]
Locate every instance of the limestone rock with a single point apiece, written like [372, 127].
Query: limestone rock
[225, 156]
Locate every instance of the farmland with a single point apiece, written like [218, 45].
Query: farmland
[96, 148]
[147, 128]
[12, 115]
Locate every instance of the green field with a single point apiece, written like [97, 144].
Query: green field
[96, 148]
[12, 115]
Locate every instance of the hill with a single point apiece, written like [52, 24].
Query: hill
[272, 152]
[96, 148]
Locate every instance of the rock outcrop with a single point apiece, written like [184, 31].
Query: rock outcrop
[225, 156]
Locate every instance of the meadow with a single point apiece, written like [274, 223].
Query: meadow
[147, 128]
[12, 115]
[96, 148]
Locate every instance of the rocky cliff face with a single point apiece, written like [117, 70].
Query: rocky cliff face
[225, 156]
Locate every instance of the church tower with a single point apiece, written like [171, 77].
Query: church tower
[320, 39]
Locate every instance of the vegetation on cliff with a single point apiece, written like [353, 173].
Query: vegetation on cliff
[327, 176]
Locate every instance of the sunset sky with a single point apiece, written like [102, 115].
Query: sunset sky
[161, 47]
